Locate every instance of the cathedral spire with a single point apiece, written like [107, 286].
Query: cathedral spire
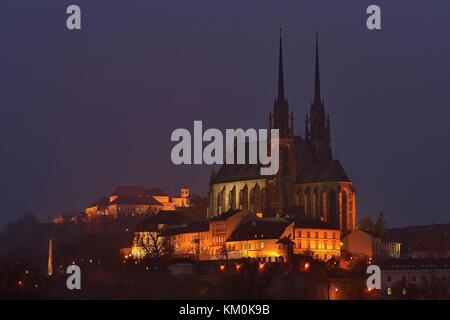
[280, 72]
[280, 109]
[317, 96]
[317, 128]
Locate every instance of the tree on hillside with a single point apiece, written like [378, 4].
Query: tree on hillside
[380, 226]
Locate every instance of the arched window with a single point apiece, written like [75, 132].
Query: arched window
[316, 200]
[243, 198]
[332, 209]
[219, 202]
[344, 211]
[299, 198]
[232, 198]
[256, 198]
[307, 202]
[263, 198]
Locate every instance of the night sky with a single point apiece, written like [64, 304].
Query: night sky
[82, 112]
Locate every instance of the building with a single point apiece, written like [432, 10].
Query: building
[183, 200]
[417, 278]
[148, 233]
[126, 201]
[259, 238]
[192, 240]
[367, 244]
[316, 238]
[310, 181]
[222, 227]
[235, 234]
[434, 244]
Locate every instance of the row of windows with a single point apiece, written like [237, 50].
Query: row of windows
[318, 245]
[307, 234]
[422, 277]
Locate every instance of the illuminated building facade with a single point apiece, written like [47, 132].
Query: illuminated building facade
[367, 244]
[126, 201]
[238, 234]
[310, 182]
[316, 238]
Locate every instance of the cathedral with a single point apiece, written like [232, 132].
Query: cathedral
[310, 183]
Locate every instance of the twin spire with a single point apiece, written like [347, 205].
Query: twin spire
[317, 124]
[281, 96]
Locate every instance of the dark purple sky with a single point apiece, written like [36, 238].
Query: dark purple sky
[83, 112]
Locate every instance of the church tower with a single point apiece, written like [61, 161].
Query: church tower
[281, 119]
[279, 189]
[317, 124]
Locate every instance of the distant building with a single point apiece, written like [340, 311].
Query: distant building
[429, 278]
[368, 244]
[434, 244]
[126, 201]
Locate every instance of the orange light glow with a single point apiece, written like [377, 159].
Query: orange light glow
[261, 266]
[238, 267]
[306, 266]
[222, 267]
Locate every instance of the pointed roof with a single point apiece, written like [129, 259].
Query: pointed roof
[317, 95]
[280, 96]
[322, 171]
[259, 229]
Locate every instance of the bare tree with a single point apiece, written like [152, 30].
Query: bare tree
[157, 246]
[224, 252]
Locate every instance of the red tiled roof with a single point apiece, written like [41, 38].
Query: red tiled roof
[136, 200]
[313, 224]
[258, 229]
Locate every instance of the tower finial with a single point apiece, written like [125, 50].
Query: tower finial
[317, 96]
[280, 71]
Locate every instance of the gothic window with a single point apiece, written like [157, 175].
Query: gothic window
[307, 202]
[263, 198]
[344, 211]
[256, 198]
[332, 208]
[219, 203]
[252, 200]
[232, 198]
[316, 197]
[299, 198]
[243, 198]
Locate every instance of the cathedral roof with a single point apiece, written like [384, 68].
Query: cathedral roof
[323, 171]
[309, 169]
[238, 172]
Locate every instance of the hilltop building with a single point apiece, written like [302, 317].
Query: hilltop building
[126, 201]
